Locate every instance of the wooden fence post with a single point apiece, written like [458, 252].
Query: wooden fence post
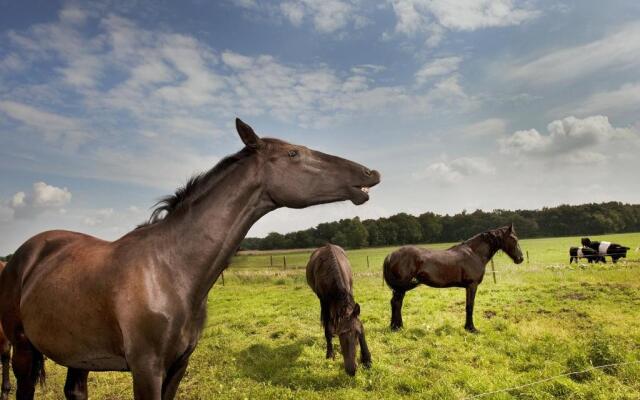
[368, 267]
[493, 268]
[527, 256]
[222, 278]
[284, 262]
[271, 259]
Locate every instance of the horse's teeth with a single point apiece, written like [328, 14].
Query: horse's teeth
[365, 189]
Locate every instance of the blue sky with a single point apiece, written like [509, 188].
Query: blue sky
[106, 106]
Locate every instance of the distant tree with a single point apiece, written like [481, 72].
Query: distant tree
[430, 226]
[404, 228]
[375, 235]
[408, 228]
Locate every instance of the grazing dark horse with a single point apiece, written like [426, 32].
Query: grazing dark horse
[614, 250]
[462, 265]
[5, 357]
[329, 276]
[139, 303]
[576, 253]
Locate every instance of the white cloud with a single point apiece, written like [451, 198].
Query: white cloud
[432, 18]
[437, 67]
[52, 126]
[167, 89]
[571, 139]
[235, 60]
[456, 170]
[614, 102]
[98, 217]
[327, 16]
[488, 127]
[616, 51]
[41, 198]
[293, 11]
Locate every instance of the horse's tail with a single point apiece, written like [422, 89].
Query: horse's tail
[386, 270]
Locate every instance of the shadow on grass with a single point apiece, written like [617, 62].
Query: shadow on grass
[281, 365]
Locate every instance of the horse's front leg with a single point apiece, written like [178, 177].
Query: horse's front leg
[147, 381]
[328, 335]
[365, 355]
[471, 296]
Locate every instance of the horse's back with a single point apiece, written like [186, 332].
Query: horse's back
[329, 270]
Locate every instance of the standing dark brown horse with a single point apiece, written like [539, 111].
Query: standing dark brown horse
[5, 357]
[139, 303]
[329, 276]
[462, 265]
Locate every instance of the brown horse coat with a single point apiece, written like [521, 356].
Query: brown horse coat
[462, 265]
[329, 276]
[138, 303]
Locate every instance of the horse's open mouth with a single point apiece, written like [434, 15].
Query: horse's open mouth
[359, 194]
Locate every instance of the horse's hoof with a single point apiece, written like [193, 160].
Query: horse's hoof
[396, 327]
[331, 355]
[366, 364]
[471, 329]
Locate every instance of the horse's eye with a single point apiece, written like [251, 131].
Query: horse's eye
[293, 153]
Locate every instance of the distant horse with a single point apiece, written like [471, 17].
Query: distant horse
[576, 253]
[614, 250]
[139, 303]
[329, 276]
[462, 265]
[5, 357]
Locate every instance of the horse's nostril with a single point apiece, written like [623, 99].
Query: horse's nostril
[367, 172]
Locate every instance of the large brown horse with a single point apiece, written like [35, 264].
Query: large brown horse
[138, 304]
[462, 265]
[329, 276]
[5, 357]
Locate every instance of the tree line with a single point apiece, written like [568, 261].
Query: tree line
[403, 228]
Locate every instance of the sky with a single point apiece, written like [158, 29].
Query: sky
[106, 106]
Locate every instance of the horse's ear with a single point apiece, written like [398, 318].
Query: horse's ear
[248, 136]
[510, 230]
[356, 310]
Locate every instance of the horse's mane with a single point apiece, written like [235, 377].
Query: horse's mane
[194, 186]
[490, 236]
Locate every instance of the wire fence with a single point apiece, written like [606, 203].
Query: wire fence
[551, 378]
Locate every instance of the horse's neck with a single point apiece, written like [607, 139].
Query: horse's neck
[483, 247]
[202, 239]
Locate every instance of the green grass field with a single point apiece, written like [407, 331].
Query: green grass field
[543, 318]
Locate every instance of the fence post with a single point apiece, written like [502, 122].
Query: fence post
[284, 262]
[493, 268]
[271, 260]
[222, 278]
[368, 267]
[527, 256]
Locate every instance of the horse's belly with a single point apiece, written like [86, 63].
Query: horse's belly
[74, 331]
[96, 362]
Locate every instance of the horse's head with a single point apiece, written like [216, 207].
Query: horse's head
[510, 245]
[586, 241]
[349, 330]
[297, 177]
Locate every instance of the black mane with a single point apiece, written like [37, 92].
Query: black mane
[170, 203]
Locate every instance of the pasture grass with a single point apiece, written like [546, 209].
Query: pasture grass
[263, 338]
